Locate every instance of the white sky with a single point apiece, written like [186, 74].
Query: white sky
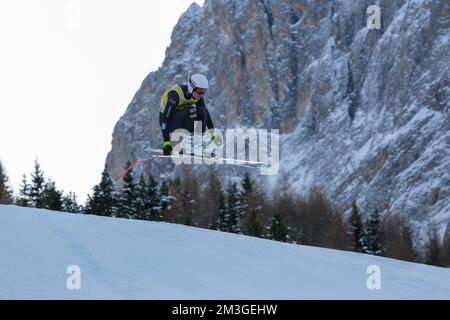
[68, 69]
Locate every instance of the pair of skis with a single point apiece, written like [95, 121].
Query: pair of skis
[215, 159]
[158, 153]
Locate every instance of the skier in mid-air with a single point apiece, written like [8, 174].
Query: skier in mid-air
[182, 105]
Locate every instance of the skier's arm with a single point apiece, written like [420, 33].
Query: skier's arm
[172, 101]
[209, 123]
[207, 117]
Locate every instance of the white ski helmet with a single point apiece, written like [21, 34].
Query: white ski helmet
[197, 81]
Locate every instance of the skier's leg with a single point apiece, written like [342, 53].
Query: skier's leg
[189, 125]
[201, 116]
[181, 120]
[190, 118]
[178, 120]
[195, 116]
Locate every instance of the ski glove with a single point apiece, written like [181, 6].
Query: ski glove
[167, 149]
[217, 139]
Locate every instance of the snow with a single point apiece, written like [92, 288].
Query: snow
[422, 115]
[130, 259]
[362, 153]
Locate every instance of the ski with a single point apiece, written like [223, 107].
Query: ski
[238, 162]
[158, 153]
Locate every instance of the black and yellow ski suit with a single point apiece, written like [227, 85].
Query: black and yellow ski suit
[179, 109]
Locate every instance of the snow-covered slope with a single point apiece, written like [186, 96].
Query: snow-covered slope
[129, 259]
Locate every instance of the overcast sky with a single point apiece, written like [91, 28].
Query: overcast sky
[68, 69]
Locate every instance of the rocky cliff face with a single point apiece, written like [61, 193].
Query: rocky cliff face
[363, 113]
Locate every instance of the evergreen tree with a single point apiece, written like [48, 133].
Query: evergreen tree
[277, 230]
[222, 218]
[37, 186]
[373, 236]
[284, 186]
[254, 227]
[70, 203]
[5, 192]
[24, 199]
[233, 210]
[148, 201]
[140, 200]
[153, 200]
[126, 206]
[164, 194]
[249, 209]
[433, 252]
[284, 204]
[247, 184]
[51, 198]
[103, 202]
[356, 229]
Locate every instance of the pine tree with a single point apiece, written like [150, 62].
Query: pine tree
[24, 199]
[126, 206]
[222, 217]
[103, 202]
[164, 194]
[37, 186]
[254, 227]
[51, 198]
[6, 196]
[284, 186]
[70, 203]
[283, 203]
[148, 201]
[356, 229]
[140, 200]
[233, 210]
[153, 200]
[249, 210]
[373, 236]
[277, 231]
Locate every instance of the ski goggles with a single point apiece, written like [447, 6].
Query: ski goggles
[200, 91]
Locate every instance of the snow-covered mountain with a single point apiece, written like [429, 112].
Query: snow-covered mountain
[40, 251]
[364, 114]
